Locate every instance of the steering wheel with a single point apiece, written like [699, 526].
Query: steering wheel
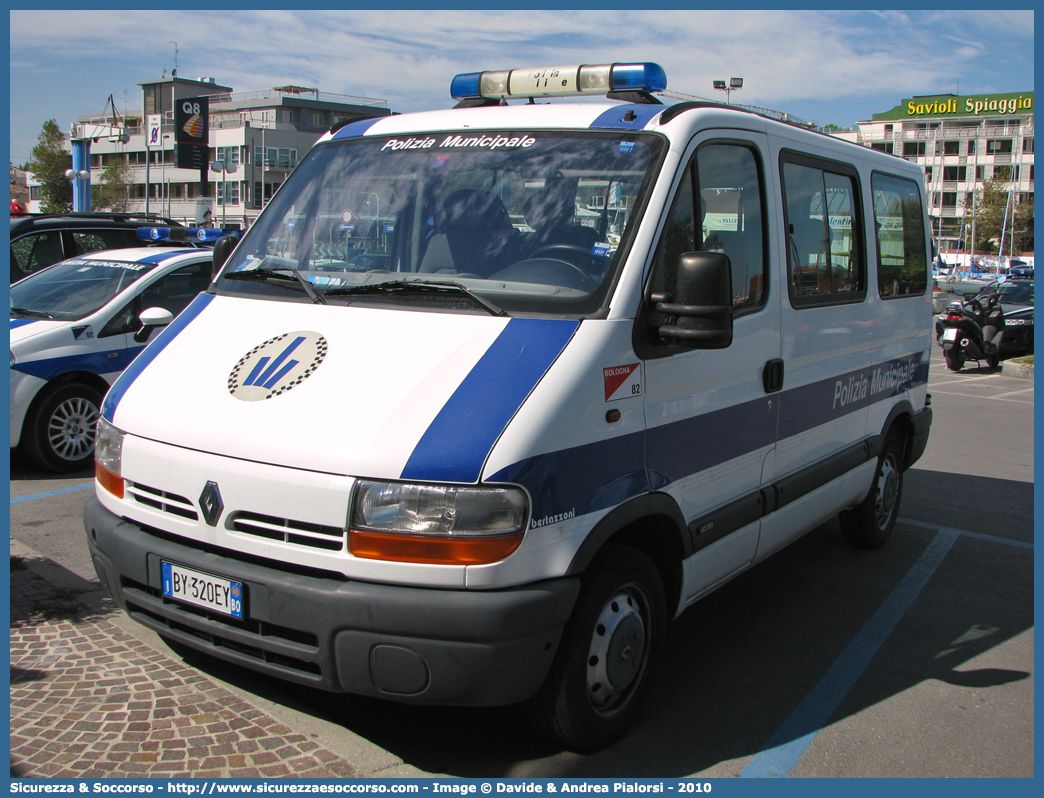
[559, 249]
[517, 272]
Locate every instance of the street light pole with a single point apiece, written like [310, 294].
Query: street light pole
[733, 85]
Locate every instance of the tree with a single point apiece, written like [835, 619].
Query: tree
[987, 211]
[113, 193]
[50, 159]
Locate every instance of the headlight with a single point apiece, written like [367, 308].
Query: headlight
[446, 524]
[108, 458]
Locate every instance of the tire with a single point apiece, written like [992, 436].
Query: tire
[610, 648]
[59, 430]
[993, 360]
[869, 524]
[954, 358]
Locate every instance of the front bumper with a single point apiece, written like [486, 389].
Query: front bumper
[414, 645]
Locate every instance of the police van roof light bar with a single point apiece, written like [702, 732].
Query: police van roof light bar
[559, 81]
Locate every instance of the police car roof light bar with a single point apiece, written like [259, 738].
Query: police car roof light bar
[559, 81]
[205, 235]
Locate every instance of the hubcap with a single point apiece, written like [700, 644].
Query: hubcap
[70, 430]
[887, 492]
[617, 652]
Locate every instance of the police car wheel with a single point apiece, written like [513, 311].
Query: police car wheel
[60, 429]
[869, 524]
[607, 654]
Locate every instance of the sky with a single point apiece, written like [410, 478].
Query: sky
[830, 67]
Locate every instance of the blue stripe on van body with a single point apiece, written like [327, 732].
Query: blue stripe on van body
[458, 440]
[354, 129]
[602, 474]
[817, 403]
[614, 118]
[15, 323]
[140, 363]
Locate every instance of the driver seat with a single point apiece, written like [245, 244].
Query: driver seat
[550, 212]
[478, 233]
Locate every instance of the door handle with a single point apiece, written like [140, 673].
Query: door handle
[772, 376]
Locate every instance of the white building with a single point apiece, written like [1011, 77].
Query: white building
[263, 133]
[959, 143]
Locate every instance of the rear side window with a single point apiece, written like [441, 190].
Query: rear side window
[825, 260]
[902, 258]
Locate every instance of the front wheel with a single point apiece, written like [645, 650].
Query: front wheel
[954, 358]
[59, 431]
[607, 655]
[869, 524]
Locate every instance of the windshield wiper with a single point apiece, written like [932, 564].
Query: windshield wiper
[36, 314]
[277, 273]
[417, 287]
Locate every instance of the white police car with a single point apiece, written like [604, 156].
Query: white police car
[614, 354]
[75, 326]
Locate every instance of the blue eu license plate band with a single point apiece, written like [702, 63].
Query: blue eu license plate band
[211, 592]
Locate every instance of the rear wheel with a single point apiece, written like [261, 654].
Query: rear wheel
[609, 649]
[59, 431]
[954, 358]
[869, 524]
[993, 360]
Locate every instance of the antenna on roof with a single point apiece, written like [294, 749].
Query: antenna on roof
[174, 71]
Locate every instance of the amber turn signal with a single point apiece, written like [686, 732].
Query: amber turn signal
[108, 480]
[471, 550]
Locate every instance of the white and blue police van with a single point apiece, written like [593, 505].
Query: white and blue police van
[613, 354]
[77, 324]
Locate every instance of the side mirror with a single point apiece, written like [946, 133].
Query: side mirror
[150, 319]
[700, 314]
[222, 249]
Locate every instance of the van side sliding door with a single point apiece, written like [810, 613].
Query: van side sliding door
[827, 337]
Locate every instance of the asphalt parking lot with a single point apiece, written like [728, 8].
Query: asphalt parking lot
[915, 660]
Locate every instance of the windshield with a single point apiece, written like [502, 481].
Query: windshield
[74, 289]
[530, 222]
[1016, 293]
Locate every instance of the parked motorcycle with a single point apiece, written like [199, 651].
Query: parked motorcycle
[972, 329]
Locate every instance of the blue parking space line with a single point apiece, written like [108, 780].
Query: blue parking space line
[979, 535]
[46, 494]
[793, 738]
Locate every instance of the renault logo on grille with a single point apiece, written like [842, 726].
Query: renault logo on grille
[210, 503]
[278, 365]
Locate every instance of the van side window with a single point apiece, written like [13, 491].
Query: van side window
[902, 259]
[721, 189]
[825, 262]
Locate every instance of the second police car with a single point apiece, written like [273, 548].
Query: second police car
[614, 355]
[76, 325]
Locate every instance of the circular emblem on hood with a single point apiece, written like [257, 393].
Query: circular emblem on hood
[277, 366]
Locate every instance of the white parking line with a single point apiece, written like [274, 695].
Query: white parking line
[1012, 393]
[967, 380]
[980, 396]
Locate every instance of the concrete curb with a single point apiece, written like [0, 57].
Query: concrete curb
[1020, 370]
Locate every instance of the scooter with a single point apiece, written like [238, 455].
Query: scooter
[971, 331]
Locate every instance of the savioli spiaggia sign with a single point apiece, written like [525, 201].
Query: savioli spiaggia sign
[951, 105]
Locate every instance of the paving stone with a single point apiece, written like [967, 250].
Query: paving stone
[90, 701]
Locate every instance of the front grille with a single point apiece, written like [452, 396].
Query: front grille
[300, 533]
[162, 500]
